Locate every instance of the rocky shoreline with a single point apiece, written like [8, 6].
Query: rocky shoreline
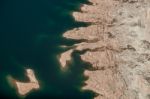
[23, 88]
[118, 47]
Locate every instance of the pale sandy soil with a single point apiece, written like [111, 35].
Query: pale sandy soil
[119, 47]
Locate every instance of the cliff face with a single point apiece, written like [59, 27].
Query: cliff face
[118, 43]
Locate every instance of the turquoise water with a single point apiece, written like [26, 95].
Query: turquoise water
[30, 37]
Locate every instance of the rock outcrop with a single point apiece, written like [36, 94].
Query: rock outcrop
[118, 47]
[24, 88]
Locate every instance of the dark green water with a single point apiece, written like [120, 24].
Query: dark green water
[30, 36]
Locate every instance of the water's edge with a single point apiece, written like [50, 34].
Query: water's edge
[31, 38]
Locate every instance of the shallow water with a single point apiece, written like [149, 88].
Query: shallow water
[30, 37]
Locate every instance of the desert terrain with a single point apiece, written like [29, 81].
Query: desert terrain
[118, 47]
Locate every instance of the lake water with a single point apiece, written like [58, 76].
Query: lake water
[30, 37]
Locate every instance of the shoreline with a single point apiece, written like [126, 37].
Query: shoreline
[115, 60]
[24, 88]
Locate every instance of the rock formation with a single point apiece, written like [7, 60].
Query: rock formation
[24, 88]
[118, 43]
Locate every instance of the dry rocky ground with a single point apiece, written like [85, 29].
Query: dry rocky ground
[23, 88]
[118, 40]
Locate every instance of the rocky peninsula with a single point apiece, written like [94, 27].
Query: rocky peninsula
[118, 47]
